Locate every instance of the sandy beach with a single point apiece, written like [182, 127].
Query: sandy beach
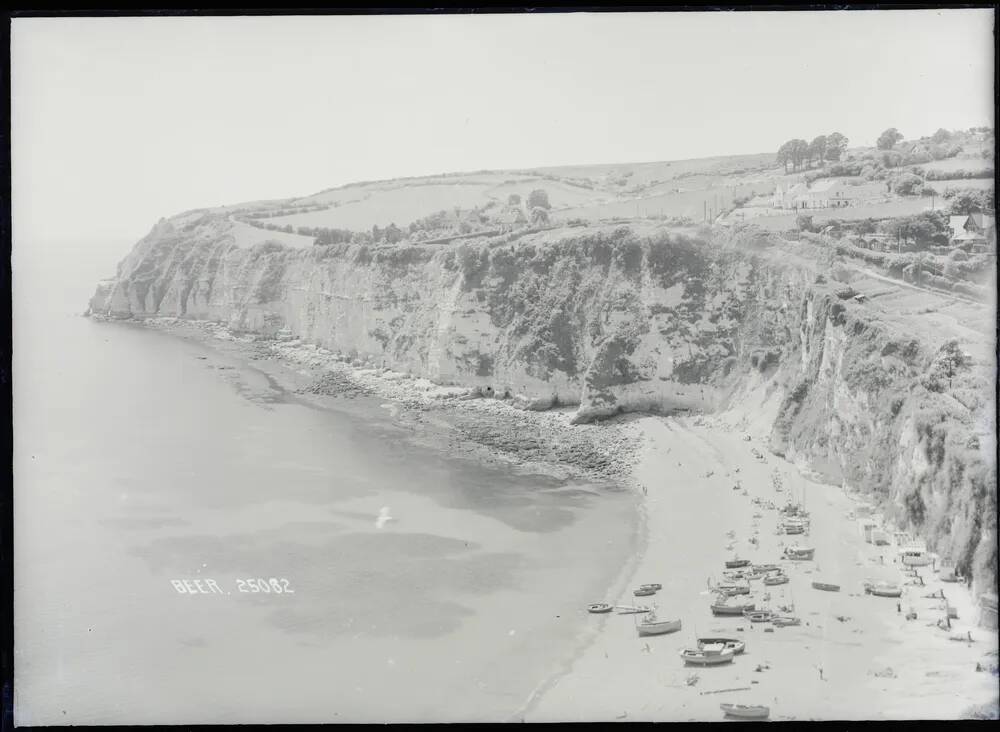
[853, 657]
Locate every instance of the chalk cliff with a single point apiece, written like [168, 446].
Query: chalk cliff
[620, 318]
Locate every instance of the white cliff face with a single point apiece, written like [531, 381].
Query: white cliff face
[610, 320]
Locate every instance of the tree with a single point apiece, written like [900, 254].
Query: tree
[836, 144]
[538, 198]
[942, 135]
[539, 216]
[393, 234]
[908, 184]
[794, 152]
[514, 199]
[969, 200]
[888, 139]
[804, 222]
[785, 154]
[817, 148]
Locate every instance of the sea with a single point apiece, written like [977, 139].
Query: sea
[194, 545]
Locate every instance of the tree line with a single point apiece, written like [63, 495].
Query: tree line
[798, 152]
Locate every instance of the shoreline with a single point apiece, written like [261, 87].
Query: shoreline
[591, 684]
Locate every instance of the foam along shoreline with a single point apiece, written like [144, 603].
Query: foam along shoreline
[854, 656]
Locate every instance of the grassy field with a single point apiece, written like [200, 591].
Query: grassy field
[902, 207]
[949, 165]
[247, 236]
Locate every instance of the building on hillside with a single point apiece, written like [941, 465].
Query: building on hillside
[976, 231]
[828, 193]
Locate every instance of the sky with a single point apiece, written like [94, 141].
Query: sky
[116, 122]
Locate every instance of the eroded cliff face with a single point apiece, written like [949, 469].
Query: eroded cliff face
[618, 319]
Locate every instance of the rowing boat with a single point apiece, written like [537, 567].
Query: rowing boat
[826, 586]
[744, 711]
[651, 626]
[776, 579]
[722, 608]
[708, 656]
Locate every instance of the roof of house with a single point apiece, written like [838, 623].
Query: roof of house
[829, 184]
[982, 220]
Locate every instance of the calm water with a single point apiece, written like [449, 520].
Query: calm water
[141, 458]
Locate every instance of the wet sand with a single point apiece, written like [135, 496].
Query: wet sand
[873, 664]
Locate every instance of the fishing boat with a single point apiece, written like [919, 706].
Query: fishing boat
[651, 626]
[733, 590]
[737, 563]
[735, 644]
[745, 711]
[632, 610]
[776, 579]
[795, 552]
[883, 589]
[643, 591]
[724, 608]
[766, 568]
[599, 607]
[655, 586]
[826, 586]
[709, 656]
[782, 621]
[758, 616]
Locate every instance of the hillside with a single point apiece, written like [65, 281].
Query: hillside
[890, 395]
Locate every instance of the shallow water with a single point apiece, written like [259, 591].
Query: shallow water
[142, 458]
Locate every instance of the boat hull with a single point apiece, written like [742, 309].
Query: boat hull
[659, 628]
[779, 580]
[735, 644]
[698, 658]
[731, 609]
[826, 587]
[745, 712]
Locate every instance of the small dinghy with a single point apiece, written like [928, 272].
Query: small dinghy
[826, 586]
[782, 621]
[734, 644]
[643, 591]
[630, 609]
[776, 579]
[758, 616]
[654, 587]
[733, 590]
[723, 608]
[651, 626]
[737, 563]
[709, 656]
[744, 711]
[599, 607]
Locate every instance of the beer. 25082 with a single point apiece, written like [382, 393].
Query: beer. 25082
[277, 585]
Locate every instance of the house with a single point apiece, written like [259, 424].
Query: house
[828, 193]
[976, 231]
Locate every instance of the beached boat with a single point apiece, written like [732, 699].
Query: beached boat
[782, 621]
[599, 607]
[724, 608]
[776, 579]
[766, 568]
[631, 610]
[796, 552]
[732, 590]
[735, 644]
[651, 626]
[745, 711]
[826, 586]
[737, 563]
[710, 656]
[793, 529]
[643, 591]
[654, 586]
[883, 589]
[759, 616]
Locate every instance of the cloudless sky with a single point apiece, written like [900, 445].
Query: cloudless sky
[118, 121]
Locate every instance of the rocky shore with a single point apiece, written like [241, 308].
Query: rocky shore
[463, 421]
